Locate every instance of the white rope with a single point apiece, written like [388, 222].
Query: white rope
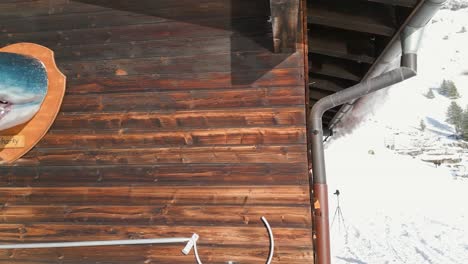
[191, 242]
[272, 240]
[270, 235]
[195, 250]
[97, 243]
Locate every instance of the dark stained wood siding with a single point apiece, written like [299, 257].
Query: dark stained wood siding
[178, 118]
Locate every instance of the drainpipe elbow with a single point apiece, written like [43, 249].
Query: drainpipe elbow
[410, 61]
[317, 112]
[318, 109]
[407, 72]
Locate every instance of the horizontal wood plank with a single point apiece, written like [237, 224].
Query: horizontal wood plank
[182, 9]
[175, 155]
[161, 48]
[255, 236]
[154, 175]
[242, 136]
[187, 81]
[161, 254]
[183, 120]
[298, 217]
[221, 62]
[41, 8]
[203, 14]
[161, 195]
[183, 100]
[171, 29]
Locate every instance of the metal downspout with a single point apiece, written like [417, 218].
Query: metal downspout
[410, 39]
[321, 220]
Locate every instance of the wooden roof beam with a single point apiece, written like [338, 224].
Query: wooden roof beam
[352, 15]
[342, 44]
[317, 94]
[328, 84]
[284, 17]
[403, 3]
[343, 69]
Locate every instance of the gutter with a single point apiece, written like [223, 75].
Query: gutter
[405, 46]
[417, 18]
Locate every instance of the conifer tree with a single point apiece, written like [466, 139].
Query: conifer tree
[449, 89]
[465, 124]
[455, 116]
[453, 92]
[444, 88]
[430, 94]
[422, 125]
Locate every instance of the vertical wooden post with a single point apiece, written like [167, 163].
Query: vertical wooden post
[284, 17]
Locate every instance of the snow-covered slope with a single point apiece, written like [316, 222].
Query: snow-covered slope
[397, 209]
[455, 4]
[397, 206]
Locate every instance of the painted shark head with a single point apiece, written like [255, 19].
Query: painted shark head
[23, 87]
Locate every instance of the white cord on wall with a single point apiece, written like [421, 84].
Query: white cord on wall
[270, 235]
[272, 240]
[191, 243]
[98, 243]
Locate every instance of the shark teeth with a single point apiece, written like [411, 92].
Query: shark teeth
[4, 108]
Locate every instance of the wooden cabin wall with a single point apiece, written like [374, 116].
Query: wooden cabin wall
[178, 118]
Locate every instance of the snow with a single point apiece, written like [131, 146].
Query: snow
[397, 206]
[394, 206]
[456, 4]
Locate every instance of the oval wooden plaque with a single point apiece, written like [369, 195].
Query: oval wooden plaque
[21, 139]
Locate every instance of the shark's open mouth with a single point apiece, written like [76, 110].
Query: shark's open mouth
[17, 108]
[13, 113]
[5, 108]
[7, 103]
